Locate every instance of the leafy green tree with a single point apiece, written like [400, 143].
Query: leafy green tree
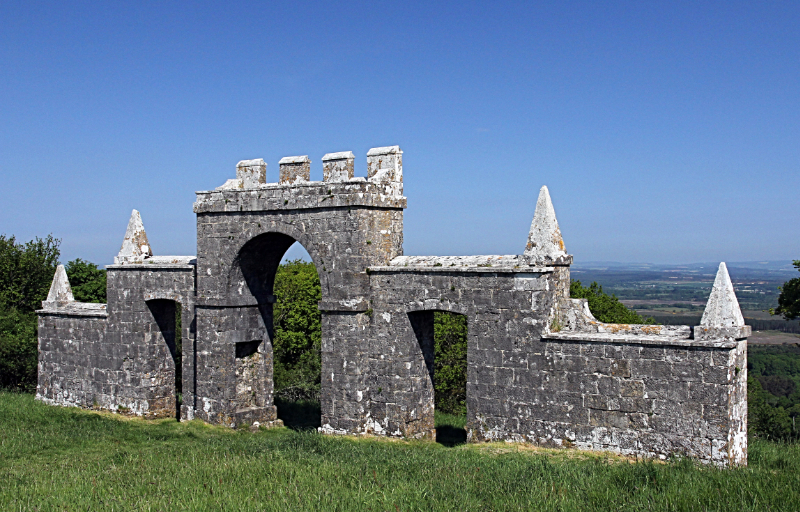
[765, 420]
[18, 350]
[298, 337]
[789, 299]
[26, 271]
[88, 282]
[606, 308]
[450, 362]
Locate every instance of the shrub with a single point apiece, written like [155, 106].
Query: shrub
[450, 362]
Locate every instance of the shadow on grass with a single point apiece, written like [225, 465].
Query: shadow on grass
[450, 436]
[299, 415]
[450, 429]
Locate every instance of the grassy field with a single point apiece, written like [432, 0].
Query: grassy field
[66, 459]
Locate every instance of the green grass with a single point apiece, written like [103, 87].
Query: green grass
[66, 459]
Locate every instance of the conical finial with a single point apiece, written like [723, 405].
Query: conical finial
[60, 291]
[544, 240]
[722, 308]
[135, 246]
[722, 317]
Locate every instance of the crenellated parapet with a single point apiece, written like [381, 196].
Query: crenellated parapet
[250, 190]
[384, 166]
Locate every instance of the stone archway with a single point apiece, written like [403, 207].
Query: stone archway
[251, 287]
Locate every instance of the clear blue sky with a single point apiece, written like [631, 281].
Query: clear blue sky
[666, 132]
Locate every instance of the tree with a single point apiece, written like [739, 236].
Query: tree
[88, 282]
[450, 362]
[606, 308]
[789, 299]
[298, 335]
[18, 350]
[26, 272]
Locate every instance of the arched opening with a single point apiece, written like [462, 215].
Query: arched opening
[442, 338]
[284, 368]
[167, 315]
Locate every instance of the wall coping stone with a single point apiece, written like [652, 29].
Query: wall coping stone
[319, 194]
[74, 309]
[156, 262]
[251, 163]
[385, 150]
[508, 263]
[633, 339]
[358, 180]
[474, 270]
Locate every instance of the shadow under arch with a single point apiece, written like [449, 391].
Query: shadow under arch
[256, 262]
[251, 283]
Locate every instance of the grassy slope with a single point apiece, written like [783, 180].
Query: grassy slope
[66, 459]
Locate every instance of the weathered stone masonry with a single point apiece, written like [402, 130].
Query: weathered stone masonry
[541, 369]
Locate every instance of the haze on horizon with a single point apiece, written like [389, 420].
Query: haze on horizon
[666, 132]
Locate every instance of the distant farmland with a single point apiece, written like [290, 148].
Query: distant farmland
[677, 294]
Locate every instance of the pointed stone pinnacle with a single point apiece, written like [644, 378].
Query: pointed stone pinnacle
[722, 308]
[544, 240]
[60, 291]
[722, 317]
[135, 247]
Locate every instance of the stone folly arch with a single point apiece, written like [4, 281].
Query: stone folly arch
[540, 368]
[346, 224]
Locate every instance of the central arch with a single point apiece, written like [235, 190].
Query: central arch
[251, 285]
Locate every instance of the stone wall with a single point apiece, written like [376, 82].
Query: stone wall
[506, 311]
[141, 299]
[651, 398]
[76, 366]
[117, 356]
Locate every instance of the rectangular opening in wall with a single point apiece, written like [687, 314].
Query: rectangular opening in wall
[442, 339]
[167, 315]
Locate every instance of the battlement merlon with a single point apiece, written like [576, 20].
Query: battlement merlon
[251, 173]
[338, 167]
[385, 164]
[295, 170]
[250, 191]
